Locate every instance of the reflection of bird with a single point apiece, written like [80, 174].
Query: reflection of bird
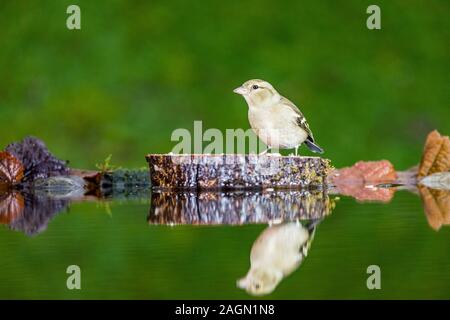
[276, 253]
[275, 119]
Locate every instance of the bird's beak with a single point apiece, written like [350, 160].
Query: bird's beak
[240, 90]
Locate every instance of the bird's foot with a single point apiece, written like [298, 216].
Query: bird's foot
[264, 152]
[276, 154]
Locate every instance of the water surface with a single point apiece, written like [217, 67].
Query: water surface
[136, 249]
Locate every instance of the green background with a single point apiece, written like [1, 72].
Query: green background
[137, 70]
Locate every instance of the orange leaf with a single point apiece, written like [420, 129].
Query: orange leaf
[353, 181]
[436, 154]
[11, 169]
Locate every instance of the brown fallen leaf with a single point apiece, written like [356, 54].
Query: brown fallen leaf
[436, 205]
[358, 180]
[37, 160]
[367, 172]
[11, 169]
[436, 154]
[12, 205]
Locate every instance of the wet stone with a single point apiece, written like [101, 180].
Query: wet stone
[60, 186]
[235, 171]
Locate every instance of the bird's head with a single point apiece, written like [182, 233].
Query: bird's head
[258, 93]
[260, 281]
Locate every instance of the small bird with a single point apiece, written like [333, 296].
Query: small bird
[278, 251]
[275, 119]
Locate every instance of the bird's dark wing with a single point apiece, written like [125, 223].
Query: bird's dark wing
[300, 120]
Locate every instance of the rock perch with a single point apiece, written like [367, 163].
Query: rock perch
[236, 171]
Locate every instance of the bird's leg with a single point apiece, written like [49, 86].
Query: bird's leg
[264, 152]
[296, 150]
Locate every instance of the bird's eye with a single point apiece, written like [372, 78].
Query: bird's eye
[254, 87]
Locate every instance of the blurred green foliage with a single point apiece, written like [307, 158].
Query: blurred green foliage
[140, 69]
[137, 70]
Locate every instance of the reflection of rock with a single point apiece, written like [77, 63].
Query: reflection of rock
[359, 181]
[237, 207]
[436, 154]
[28, 213]
[276, 253]
[436, 204]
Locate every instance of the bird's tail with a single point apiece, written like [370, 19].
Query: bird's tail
[313, 147]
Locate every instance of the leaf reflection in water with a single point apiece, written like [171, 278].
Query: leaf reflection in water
[436, 205]
[27, 212]
[12, 205]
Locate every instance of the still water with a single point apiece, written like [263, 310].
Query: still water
[248, 245]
